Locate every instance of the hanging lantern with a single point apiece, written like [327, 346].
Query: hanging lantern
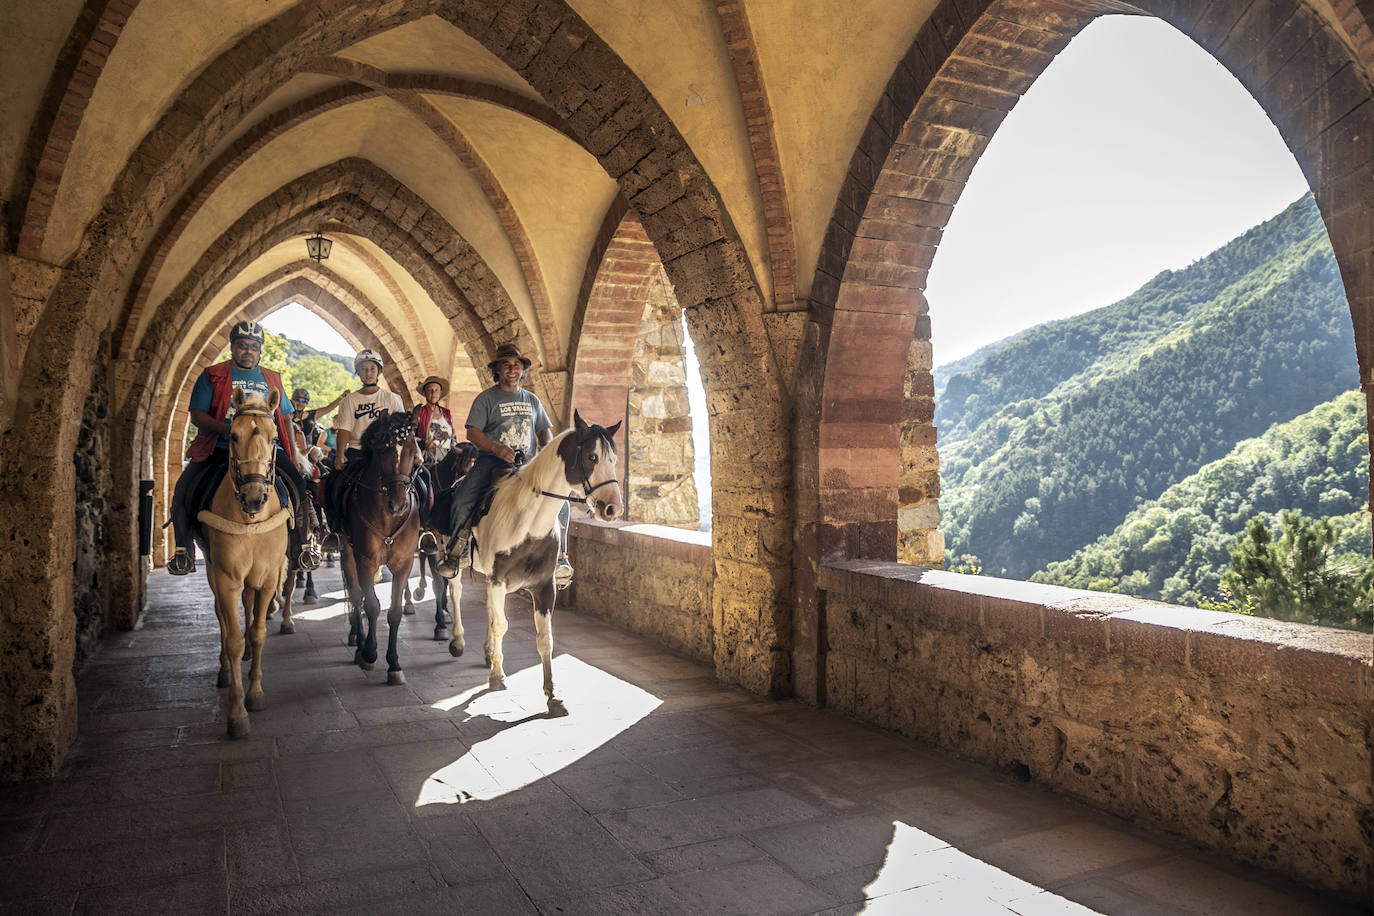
[318, 246]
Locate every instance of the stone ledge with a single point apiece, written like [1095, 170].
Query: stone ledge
[677, 543]
[1336, 664]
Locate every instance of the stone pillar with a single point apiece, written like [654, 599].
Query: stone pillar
[660, 457]
[919, 540]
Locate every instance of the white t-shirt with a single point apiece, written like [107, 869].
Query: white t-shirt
[358, 411]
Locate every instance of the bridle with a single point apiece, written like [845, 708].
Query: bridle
[269, 480]
[587, 487]
[397, 435]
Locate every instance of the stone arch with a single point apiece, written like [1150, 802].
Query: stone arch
[963, 74]
[338, 303]
[611, 113]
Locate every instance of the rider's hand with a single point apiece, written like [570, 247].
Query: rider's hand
[507, 454]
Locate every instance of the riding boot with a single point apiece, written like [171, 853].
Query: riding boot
[456, 553]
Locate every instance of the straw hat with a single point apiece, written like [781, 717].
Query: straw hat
[434, 380]
[506, 351]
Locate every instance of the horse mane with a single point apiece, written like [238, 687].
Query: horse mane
[380, 433]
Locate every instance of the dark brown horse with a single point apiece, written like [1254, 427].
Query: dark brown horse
[380, 527]
[447, 465]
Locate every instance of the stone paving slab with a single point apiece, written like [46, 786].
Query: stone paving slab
[663, 791]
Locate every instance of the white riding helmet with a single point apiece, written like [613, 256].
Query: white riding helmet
[365, 356]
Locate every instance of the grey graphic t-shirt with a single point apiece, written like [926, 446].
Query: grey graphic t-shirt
[513, 419]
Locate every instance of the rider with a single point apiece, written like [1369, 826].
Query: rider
[211, 410]
[433, 389]
[504, 419]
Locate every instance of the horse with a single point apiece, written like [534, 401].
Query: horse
[380, 527]
[517, 542]
[447, 463]
[243, 536]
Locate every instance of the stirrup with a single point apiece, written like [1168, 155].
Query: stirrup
[562, 573]
[429, 544]
[330, 542]
[454, 557]
[309, 559]
[181, 563]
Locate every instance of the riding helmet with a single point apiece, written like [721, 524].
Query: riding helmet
[246, 330]
[300, 394]
[367, 356]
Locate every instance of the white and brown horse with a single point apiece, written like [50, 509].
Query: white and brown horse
[244, 537]
[517, 543]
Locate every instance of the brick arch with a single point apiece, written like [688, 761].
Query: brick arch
[319, 290]
[349, 193]
[611, 113]
[965, 71]
[608, 316]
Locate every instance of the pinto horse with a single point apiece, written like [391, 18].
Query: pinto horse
[516, 543]
[380, 527]
[244, 539]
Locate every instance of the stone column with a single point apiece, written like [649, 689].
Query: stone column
[919, 540]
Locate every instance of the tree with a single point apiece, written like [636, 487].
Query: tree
[323, 377]
[1300, 576]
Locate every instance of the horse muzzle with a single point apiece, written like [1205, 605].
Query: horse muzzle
[253, 498]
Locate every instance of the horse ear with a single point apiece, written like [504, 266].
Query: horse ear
[578, 422]
[610, 433]
[273, 399]
[237, 399]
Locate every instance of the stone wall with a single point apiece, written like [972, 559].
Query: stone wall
[661, 457]
[650, 579]
[1249, 736]
[90, 598]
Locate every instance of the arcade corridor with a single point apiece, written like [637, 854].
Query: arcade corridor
[662, 792]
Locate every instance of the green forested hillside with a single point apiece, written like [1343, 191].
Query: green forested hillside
[1051, 441]
[1176, 547]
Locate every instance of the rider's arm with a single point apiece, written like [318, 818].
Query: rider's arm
[544, 436]
[341, 437]
[487, 444]
[322, 411]
[203, 420]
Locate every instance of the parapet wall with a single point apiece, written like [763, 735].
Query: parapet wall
[1248, 736]
[651, 579]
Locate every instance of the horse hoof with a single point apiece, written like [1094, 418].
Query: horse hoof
[556, 708]
[223, 680]
[455, 650]
[419, 593]
[408, 610]
[395, 678]
[239, 728]
[309, 598]
[254, 703]
[367, 666]
[496, 683]
[287, 627]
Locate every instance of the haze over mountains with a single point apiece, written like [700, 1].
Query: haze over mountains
[1066, 443]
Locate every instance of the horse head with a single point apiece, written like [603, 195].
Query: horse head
[390, 441]
[589, 463]
[252, 450]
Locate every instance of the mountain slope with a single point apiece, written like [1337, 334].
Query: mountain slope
[1098, 413]
[1176, 547]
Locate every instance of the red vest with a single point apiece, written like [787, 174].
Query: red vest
[422, 421]
[221, 376]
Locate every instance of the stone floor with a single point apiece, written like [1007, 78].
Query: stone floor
[661, 792]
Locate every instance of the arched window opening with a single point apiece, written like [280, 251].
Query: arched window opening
[1144, 359]
[662, 457]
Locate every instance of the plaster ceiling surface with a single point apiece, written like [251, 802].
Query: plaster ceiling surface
[432, 45]
[376, 129]
[372, 272]
[34, 35]
[559, 191]
[677, 50]
[162, 47]
[825, 64]
[298, 88]
[432, 324]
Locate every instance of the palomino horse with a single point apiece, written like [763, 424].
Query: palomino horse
[517, 541]
[244, 533]
[380, 527]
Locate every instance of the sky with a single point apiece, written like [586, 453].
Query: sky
[1133, 153]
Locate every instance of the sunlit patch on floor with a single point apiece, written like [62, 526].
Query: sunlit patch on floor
[923, 873]
[335, 603]
[531, 746]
